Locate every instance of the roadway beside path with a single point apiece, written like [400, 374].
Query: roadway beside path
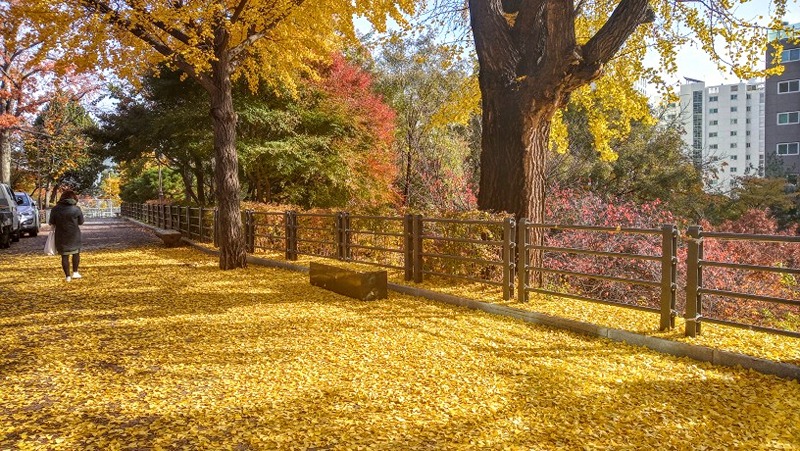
[97, 234]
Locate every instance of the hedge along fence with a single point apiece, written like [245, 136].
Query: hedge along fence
[634, 268]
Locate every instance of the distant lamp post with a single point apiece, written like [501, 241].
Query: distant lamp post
[160, 181]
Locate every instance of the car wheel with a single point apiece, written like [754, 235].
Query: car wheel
[34, 233]
[15, 237]
[5, 239]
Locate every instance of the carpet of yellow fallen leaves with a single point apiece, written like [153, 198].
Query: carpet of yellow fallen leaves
[757, 344]
[158, 349]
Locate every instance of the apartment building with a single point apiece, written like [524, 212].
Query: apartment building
[782, 109]
[724, 128]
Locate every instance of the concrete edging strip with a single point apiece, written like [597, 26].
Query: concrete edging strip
[674, 348]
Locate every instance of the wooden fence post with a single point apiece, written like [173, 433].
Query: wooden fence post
[408, 247]
[694, 280]
[216, 227]
[417, 232]
[669, 262]
[509, 239]
[200, 224]
[250, 234]
[290, 221]
[339, 228]
[522, 260]
[347, 237]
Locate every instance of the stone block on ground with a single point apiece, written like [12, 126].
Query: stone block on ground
[366, 286]
[171, 238]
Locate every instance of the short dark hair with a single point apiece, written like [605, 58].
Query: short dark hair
[68, 194]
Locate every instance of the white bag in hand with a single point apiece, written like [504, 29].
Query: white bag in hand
[50, 244]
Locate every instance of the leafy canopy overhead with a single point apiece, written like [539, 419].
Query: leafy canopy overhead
[733, 41]
[274, 39]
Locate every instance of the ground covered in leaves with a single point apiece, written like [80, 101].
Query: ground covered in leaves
[757, 344]
[156, 348]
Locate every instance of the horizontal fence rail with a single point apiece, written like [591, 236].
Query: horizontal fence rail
[517, 257]
[700, 287]
[533, 260]
[472, 250]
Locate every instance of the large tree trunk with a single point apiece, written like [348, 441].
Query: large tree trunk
[516, 133]
[530, 61]
[188, 181]
[226, 171]
[5, 157]
[200, 177]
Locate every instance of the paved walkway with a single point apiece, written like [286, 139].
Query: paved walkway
[98, 234]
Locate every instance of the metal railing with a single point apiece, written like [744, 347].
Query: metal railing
[697, 287]
[481, 248]
[666, 238]
[494, 253]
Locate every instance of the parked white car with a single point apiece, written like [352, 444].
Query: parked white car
[9, 217]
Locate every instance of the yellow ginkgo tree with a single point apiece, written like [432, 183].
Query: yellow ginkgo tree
[216, 42]
[537, 55]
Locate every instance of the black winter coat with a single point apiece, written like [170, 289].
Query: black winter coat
[66, 216]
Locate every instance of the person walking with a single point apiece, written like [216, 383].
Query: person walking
[66, 217]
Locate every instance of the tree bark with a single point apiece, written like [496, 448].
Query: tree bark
[188, 180]
[529, 66]
[514, 160]
[226, 171]
[5, 157]
[200, 177]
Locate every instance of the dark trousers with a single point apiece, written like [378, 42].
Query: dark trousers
[76, 260]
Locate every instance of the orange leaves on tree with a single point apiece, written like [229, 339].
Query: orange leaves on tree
[351, 90]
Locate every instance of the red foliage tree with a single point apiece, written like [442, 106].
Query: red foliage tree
[30, 71]
[350, 92]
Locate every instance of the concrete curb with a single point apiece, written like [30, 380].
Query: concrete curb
[670, 347]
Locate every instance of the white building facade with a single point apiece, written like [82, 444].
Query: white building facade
[724, 129]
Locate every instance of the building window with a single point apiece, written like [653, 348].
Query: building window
[734, 88]
[734, 121]
[697, 126]
[747, 157]
[733, 170]
[712, 134]
[734, 157]
[748, 108]
[714, 146]
[714, 122]
[713, 98]
[786, 87]
[734, 96]
[749, 96]
[748, 121]
[789, 148]
[713, 90]
[734, 109]
[787, 56]
[734, 133]
[747, 133]
[748, 146]
[790, 117]
[713, 110]
[734, 145]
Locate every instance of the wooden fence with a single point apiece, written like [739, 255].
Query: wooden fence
[495, 253]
